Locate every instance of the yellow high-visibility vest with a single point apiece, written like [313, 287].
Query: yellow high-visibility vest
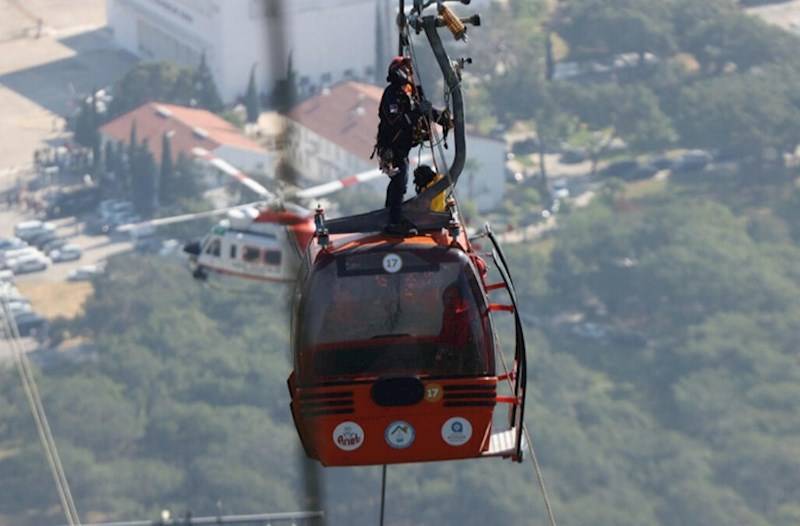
[438, 203]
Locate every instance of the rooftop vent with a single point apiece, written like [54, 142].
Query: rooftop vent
[163, 112]
[200, 133]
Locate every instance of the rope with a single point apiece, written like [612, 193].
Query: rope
[536, 467]
[33, 397]
[383, 494]
[433, 135]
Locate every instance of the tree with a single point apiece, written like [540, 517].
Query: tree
[144, 180]
[599, 29]
[166, 180]
[744, 114]
[152, 81]
[631, 113]
[285, 94]
[205, 89]
[251, 99]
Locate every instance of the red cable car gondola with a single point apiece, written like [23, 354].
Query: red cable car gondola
[395, 354]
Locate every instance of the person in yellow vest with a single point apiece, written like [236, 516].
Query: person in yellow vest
[424, 178]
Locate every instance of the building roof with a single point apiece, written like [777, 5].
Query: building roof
[188, 128]
[345, 114]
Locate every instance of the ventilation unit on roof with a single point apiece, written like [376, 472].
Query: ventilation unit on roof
[163, 112]
[200, 133]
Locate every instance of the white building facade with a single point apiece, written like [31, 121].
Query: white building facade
[328, 40]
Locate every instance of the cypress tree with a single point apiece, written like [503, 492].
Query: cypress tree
[251, 102]
[205, 90]
[166, 180]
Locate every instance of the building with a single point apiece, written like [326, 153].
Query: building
[332, 134]
[328, 40]
[187, 129]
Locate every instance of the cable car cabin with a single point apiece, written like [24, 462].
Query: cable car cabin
[261, 252]
[394, 353]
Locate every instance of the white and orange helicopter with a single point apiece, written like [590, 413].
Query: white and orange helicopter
[260, 241]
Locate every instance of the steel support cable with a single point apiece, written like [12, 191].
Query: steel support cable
[536, 467]
[40, 417]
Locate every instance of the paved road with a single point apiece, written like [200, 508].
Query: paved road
[785, 15]
[40, 77]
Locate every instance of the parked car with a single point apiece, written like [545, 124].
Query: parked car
[620, 169]
[31, 324]
[42, 239]
[10, 255]
[65, 253]
[54, 244]
[574, 155]
[560, 189]
[693, 161]
[30, 229]
[11, 243]
[29, 263]
[84, 273]
[6, 276]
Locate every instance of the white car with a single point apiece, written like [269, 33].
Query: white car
[66, 253]
[84, 273]
[11, 243]
[6, 276]
[30, 229]
[29, 263]
[12, 255]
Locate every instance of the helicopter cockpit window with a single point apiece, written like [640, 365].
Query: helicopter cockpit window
[428, 319]
[213, 248]
[251, 254]
[272, 257]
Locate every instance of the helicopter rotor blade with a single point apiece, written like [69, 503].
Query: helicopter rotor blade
[334, 186]
[230, 170]
[184, 218]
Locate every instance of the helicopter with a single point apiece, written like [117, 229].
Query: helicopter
[259, 241]
[395, 347]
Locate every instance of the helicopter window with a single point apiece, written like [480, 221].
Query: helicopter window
[251, 254]
[430, 322]
[233, 251]
[272, 257]
[213, 248]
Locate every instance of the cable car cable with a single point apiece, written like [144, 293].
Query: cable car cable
[11, 331]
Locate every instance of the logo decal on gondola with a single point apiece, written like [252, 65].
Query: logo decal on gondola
[392, 263]
[457, 431]
[348, 436]
[399, 434]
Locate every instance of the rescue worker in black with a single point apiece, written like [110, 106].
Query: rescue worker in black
[403, 111]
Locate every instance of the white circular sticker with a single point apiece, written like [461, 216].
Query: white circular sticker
[457, 431]
[392, 263]
[348, 436]
[399, 434]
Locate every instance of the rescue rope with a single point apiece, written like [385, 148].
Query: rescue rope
[433, 136]
[383, 494]
[12, 336]
[536, 467]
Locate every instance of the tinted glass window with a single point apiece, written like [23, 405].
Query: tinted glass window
[251, 254]
[426, 319]
[213, 248]
[272, 257]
